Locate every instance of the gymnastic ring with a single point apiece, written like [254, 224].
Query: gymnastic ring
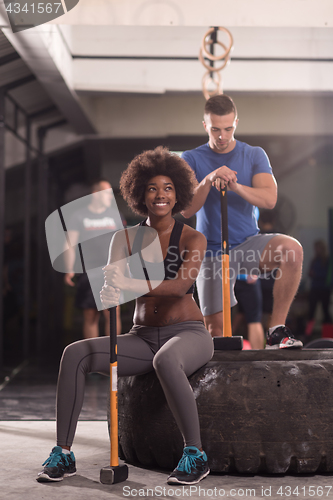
[207, 94]
[221, 57]
[210, 56]
[213, 68]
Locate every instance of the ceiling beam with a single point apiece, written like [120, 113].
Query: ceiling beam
[9, 58]
[35, 49]
[255, 13]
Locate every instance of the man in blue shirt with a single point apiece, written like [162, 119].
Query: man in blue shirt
[248, 175]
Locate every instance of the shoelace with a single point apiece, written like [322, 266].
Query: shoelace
[54, 459]
[288, 333]
[186, 463]
[285, 331]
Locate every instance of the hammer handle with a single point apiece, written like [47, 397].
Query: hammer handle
[114, 459]
[227, 332]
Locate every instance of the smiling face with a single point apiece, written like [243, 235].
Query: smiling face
[220, 130]
[160, 195]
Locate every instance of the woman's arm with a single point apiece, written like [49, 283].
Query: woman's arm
[69, 256]
[195, 246]
[118, 253]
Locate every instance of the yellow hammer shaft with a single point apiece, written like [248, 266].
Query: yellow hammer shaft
[227, 332]
[114, 460]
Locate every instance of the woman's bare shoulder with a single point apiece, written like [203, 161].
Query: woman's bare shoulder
[192, 236]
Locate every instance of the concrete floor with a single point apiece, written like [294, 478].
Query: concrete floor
[26, 444]
[27, 435]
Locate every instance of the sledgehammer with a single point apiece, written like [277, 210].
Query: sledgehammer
[227, 342]
[113, 473]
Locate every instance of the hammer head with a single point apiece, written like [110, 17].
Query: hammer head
[228, 343]
[113, 475]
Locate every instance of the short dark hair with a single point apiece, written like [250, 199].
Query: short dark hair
[149, 164]
[94, 184]
[220, 105]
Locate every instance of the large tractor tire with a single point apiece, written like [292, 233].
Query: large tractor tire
[260, 411]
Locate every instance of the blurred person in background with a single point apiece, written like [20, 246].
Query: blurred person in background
[94, 219]
[320, 289]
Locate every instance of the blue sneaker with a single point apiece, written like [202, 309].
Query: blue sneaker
[192, 467]
[57, 466]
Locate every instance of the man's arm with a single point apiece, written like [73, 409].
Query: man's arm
[69, 257]
[202, 190]
[262, 194]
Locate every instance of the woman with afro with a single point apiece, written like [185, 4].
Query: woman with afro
[168, 334]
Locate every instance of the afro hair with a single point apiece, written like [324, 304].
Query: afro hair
[149, 164]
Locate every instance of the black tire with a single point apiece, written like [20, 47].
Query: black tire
[320, 344]
[260, 411]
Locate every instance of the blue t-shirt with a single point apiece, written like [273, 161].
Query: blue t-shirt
[247, 161]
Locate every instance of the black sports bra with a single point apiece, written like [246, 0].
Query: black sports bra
[172, 261]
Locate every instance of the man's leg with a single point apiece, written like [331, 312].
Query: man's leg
[256, 335]
[313, 300]
[214, 324]
[209, 286]
[286, 253]
[249, 296]
[90, 323]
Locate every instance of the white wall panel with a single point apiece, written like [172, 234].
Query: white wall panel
[159, 116]
[197, 13]
[185, 41]
[186, 76]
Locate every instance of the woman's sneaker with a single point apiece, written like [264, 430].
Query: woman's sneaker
[57, 466]
[192, 467]
[282, 338]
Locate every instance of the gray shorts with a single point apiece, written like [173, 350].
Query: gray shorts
[243, 259]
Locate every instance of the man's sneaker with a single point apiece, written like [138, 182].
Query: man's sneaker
[192, 467]
[282, 338]
[57, 466]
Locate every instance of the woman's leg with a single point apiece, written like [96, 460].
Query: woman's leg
[176, 360]
[78, 359]
[134, 355]
[93, 356]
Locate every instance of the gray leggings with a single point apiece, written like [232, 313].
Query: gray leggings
[174, 352]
